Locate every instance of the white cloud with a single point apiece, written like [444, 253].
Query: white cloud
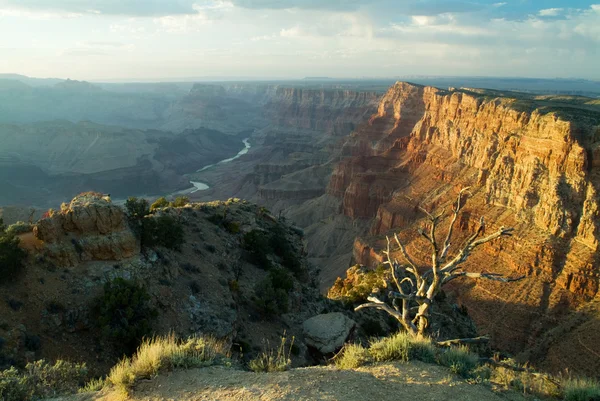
[550, 12]
[36, 15]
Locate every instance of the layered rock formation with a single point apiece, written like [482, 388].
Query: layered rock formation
[89, 228]
[532, 163]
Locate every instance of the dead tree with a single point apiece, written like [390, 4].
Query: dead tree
[416, 286]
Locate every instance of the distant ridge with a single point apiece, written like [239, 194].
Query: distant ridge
[31, 81]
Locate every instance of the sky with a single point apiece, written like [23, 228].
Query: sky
[282, 39]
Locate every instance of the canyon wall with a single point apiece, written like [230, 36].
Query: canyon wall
[531, 163]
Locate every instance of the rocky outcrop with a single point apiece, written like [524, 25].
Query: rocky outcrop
[328, 332]
[530, 163]
[89, 228]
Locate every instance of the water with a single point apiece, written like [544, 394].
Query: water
[200, 186]
[240, 153]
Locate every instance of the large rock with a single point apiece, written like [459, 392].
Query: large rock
[89, 228]
[327, 332]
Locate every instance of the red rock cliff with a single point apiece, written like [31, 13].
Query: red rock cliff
[533, 163]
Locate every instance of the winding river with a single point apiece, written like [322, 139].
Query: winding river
[200, 186]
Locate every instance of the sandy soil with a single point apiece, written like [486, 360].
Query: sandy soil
[390, 381]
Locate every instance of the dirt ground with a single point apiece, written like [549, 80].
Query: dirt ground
[389, 381]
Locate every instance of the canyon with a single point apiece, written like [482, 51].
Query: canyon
[350, 163]
[530, 162]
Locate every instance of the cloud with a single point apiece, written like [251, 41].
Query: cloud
[339, 5]
[550, 12]
[113, 7]
[36, 15]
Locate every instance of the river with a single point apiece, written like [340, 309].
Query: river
[200, 186]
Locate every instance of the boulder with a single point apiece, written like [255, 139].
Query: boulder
[89, 228]
[327, 332]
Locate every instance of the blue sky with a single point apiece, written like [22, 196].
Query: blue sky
[152, 39]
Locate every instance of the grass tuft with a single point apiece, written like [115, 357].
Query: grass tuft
[403, 347]
[271, 360]
[460, 360]
[162, 353]
[352, 357]
[581, 390]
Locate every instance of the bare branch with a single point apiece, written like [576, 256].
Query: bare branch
[451, 228]
[474, 340]
[377, 304]
[489, 276]
[413, 267]
[472, 243]
[392, 266]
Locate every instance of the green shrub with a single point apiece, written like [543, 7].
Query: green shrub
[270, 300]
[581, 390]
[181, 201]
[459, 359]
[93, 386]
[256, 243]
[358, 284]
[18, 228]
[137, 208]
[123, 314]
[271, 360]
[402, 347]
[393, 348]
[233, 227]
[159, 204]
[282, 247]
[41, 380]
[162, 231]
[281, 279]
[352, 357]
[11, 255]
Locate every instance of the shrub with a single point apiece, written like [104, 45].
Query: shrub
[11, 255]
[18, 228]
[402, 347]
[92, 386]
[160, 353]
[459, 359]
[271, 360]
[358, 284]
[523, 381]
[32, 342]
[270, 300]
[137, 208]
[352, 357]
[233, 227]
[256, 243]
[162, 231]
[181, 201]
[282, 247]
[393, 348]
[123, 314]
[48, 213]
[581, 390]
[41, 380]
[159, 204]
[281, 279]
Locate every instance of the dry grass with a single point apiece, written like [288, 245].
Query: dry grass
[162, 353]
[271, 360]
[402, 347]
[460, 360]
[581, 390]
[352, 357]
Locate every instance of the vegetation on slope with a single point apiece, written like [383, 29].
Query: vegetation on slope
[11, 255]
